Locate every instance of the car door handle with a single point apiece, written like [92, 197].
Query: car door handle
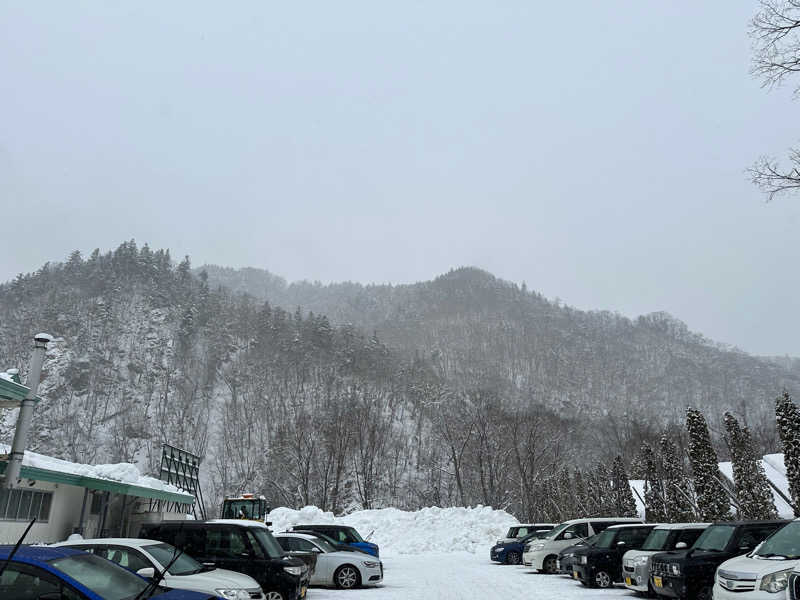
[209, 564]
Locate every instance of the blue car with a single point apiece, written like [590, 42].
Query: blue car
[63, 573]
[509, 551]
[343, 535]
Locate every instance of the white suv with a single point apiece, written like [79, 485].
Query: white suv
[542, 554]
[766, 572]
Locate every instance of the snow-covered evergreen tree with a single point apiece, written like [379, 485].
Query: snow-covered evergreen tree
[622, 504]
[712, 501]
[677, 490]
[655, 509]
[752, 490]
[787, 416]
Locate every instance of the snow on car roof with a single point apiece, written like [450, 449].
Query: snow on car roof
[626, 525]
[681, 525]
[137, 542]
[241, 522]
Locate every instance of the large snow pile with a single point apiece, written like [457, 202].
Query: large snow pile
[403, 532]
[121, 472]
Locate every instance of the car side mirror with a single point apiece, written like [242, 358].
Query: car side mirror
[680, 546]
[568, 536]
[317, 550]
[147, 572]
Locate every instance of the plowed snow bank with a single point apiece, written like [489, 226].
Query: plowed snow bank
[403, 532]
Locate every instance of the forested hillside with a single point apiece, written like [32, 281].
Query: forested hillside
[624, 374]
[463, 390]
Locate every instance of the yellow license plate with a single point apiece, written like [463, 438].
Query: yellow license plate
[627, 581]
[574, 574]
[657, 582]
[303, 592]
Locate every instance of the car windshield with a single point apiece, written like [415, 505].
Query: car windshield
[512, 532]
[103, 577]
[164, 554]
[784, 543]
[657, 540]
[352, 536]
[269, 543]
[324, 544]
[714, 539]
[606, 538]
[553, 533]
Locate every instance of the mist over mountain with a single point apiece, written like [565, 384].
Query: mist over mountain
[461, 390]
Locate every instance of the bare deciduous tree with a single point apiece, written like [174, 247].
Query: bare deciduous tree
[775, 30]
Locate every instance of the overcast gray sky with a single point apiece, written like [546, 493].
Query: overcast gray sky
[594, 150]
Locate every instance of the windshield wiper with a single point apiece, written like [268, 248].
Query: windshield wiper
[158, 576]
[17, 545]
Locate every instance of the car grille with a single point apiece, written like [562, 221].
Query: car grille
[255, 594]
[628, 568]
[736, 582]
[659, 568]
[794, 586]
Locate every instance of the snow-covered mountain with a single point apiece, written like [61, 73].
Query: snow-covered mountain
[458, 391]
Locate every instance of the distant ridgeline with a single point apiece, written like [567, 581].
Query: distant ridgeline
[457, 391]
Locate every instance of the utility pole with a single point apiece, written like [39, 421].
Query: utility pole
[40, 341]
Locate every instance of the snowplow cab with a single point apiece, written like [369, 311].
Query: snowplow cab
[247, 506]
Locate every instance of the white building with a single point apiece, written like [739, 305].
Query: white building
[99, 500]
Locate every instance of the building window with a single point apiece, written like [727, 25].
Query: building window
[23, 505]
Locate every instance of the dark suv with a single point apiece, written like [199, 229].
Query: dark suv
[690, 573]
[342, 534]
[244, 546]
[600, 565]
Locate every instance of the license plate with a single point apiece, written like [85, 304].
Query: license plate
[657, 582]
[303, 591]
[628, 581]
[574, 574]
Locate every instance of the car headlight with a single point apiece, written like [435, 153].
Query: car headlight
[233, 594]
[775, 582]
[370, 563]
[538, 546]
[641, 560]
[294, 570]
[675, 569]
[584, 559]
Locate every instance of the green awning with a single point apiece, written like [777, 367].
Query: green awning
[94, 483]
[11, 393]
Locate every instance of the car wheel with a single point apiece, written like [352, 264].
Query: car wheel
[273, 595]
[513, 558]
[602, 579]
[550, 565]
[346, 577]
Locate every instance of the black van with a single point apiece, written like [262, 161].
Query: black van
[690, 573]
[246, 547]
[600, 565]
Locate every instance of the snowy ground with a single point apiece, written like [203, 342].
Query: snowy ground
[467, 576]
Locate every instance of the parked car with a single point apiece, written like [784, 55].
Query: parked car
[566, 558]
[520, 531]
[330, 540]
[543, 554]
[45, 572]
[510, 552]
[342, 534]
[600, 565]
[146, 557]
[764, 572]
[237, 545]
[690, 573]
[671, 536]
[344, 569]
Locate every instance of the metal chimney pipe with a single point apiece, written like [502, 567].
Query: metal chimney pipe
[40, 341]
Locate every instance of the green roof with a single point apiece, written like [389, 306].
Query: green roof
[11, 393]
[95, 483]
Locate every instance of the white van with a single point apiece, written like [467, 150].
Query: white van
[542, 554]
[766, 572]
